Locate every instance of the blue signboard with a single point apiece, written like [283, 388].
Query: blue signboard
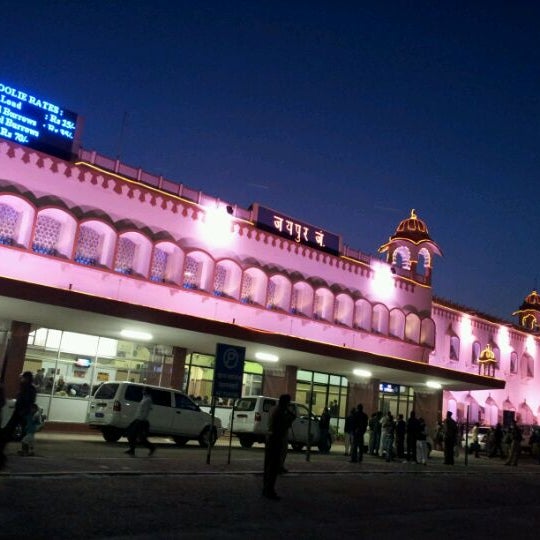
[228, 371]
[36, 122]
[295, 230]
[389, 388]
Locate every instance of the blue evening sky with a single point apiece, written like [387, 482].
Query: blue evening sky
[341, 114]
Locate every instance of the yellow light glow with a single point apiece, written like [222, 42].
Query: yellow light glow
[216, 228]
[362, 373]
[383, 281]
[135, 334]
[266, 357]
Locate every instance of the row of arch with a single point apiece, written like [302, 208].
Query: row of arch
[91, 241]
[525, 366]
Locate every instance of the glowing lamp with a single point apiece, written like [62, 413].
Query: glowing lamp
[134, 334]
[434, 384]
[362, 373]
[266, 357]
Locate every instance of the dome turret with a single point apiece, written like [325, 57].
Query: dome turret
[410, 249]
[529, 312]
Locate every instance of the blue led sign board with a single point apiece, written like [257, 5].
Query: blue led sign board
[295, 230]
[38, 123]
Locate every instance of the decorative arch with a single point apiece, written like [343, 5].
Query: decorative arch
[54, 232]
[363, 314]
[379, 319]
[514, 362]
[95, 243]
[254, 287]
[227, 279]
[424, 262]
[198, 271]
[525, 414]
[167, 263]
[278, 295]
[412, 327]
[323, 304]
[344, 310]
[427, 332]
[302, 299]
[491, 412]
[396, 326]
[453, 352]
[401, 258]
[16, 221]
[133, 253]
[527, 366]
[475, 352]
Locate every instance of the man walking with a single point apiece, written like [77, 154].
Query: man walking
[139, 429]
[280, 421]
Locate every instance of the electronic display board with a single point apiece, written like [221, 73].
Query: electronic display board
[37, 122]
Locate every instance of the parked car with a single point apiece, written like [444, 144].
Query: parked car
[7, 412]
[483, 438]
[114, 404]
[251, 423]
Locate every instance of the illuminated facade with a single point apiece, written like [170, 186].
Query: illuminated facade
[92, 249]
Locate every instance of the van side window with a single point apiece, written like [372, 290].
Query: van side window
[302, 411]
[133, 393]
[183, 402]
[268, 404]
[160, 397]
[107, 391]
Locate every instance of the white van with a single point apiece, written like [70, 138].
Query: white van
[251, 417]
[113, 406]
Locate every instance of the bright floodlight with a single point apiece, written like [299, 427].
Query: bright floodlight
[266, 357]
[362, 372]
[434, 384]
[134, 334]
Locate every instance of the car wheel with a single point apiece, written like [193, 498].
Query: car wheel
[207, 437]
[180, 441]
[111, 434]
[246, 442]
[297, 446]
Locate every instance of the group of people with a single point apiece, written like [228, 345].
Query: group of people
[388, 437]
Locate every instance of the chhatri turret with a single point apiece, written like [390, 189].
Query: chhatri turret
[529, 312]
[410, 250]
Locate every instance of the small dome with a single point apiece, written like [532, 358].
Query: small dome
[413, 229]
[532, 301]
[487, 355]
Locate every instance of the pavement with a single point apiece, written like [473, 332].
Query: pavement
[88, 454]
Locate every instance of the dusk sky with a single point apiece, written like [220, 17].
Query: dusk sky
[344, 115]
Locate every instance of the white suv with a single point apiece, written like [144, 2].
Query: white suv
[113, 406]
[251, 417]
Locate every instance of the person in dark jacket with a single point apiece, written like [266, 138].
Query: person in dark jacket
[515, 446]
[324, 431]
[401, 430]
[359, 427]
[450, 438]
[26, 397]
[348, 432]
[281, 419]
[412, 436]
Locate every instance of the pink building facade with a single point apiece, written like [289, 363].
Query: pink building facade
[110, 273]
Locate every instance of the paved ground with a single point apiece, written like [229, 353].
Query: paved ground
[82, 487]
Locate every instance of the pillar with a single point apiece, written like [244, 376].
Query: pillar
[178, 367]
[14, 357]
[365, 393]
[279, 380]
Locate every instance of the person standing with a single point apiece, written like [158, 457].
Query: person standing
[348, 432]
[25, 399]
[515, 446]
[373, 446]
[496, 448]
[359, 427]
[401, 430]
[450, 438]
[281, 419]
[138, 430]
[475, 442]
[324, 431]
[412, 436]
[421, 442]
[388, 431]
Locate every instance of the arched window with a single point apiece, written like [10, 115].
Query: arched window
[401, 258]
[379, 320]
[423, 263]
[166, 265]
[412, 328]
[323, 306]
[453, 353]
[397, 324]
[343, 310]
[363, 315]
[278, 295]
[475, 352]
[527, 366]
[513, 362]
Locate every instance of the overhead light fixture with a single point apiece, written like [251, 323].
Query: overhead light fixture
[362, 372]
[134, 334]
[434, 384]
[266, 357]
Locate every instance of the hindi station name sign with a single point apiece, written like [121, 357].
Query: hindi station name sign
[298, 231]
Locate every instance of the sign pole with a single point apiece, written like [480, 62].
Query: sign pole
[231, 432]
[211, 434]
